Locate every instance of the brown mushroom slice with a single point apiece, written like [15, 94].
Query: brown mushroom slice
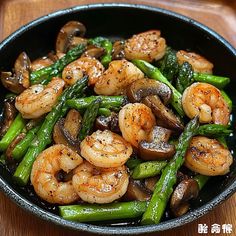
[141, 88]
[9, 114]
[41, 62]
[67, 33]
[185, 191]
[66, 130]
[93, 52]
[73, 122]
[118, 50]
[111, 123]
[137, 191]
[76, 41]
[165, 117]
[150, 183]
[12, 145]
[18, 81]
[158, 147]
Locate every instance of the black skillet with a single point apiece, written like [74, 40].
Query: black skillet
[121, 21]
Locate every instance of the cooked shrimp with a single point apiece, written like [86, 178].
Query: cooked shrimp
[208, 157]
[100, 185]
[105, 149]
[199, 63]
[38, 100]
[83, 66]
[136, 121]
[147, 46]
[206, 101]
[117, 77]
[45, 168]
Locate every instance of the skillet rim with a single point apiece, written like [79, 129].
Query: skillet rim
[106, 230]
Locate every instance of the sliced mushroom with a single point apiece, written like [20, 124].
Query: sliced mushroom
[137, 191]
[181, 176]
[150, 183]
[34, 122]
[142, 88]
[110, 123]
[76, 41]
[93, 52]
[118, 50]
[73, 122]
[185, 191]
[40, 63]
[158, 147]
[66, 130]
[165, 117]
[12, 145]
[9, 114]
[18, 81]
[66, 36]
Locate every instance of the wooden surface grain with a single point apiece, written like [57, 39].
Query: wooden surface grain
[219, 15]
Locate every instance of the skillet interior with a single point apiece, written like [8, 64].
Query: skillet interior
[121, 21]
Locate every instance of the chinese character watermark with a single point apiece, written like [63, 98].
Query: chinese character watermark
[215, 229]
[202, 229]
[227, 228]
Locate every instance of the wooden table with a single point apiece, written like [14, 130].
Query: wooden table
[219, 15]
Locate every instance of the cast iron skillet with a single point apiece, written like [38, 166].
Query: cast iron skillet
[121, 21]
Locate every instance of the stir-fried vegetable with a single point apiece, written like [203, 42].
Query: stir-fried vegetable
[169, 65]
[113, 211]
[109, 102]
[201, 180]
[185, 77]
[15, 128]
[164, 187]
[148, 169]
[214, 130]
[21, 148]
[218, 81]
[89, 118]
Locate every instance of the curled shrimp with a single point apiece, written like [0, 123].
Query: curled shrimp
[117, 77]
[100, 185]
[199, 63]
[147, 46]
[206, 101]
[83, 66]
[45, 168]
[105, 149]
[136, 121]
[208, 157]
[38, 99]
